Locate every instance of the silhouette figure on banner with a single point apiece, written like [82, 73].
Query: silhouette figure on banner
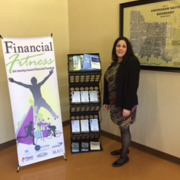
[48, 130]
[28, 130]
[35, 89]
[52, 129]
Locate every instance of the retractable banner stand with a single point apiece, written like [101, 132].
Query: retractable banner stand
[33, 87]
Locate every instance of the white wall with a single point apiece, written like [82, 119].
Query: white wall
[93, 27]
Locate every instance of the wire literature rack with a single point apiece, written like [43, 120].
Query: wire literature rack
[84, 75]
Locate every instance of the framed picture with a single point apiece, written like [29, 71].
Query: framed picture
[153, 28]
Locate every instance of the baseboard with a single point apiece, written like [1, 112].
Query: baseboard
[145, 149]
[66, 123]
[138, 146]
[7, 144]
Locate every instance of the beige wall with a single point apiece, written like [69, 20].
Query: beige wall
[29, 18]
[94, 25]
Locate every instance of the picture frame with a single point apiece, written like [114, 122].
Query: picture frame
[153, 28]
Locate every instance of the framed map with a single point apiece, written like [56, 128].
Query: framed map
[153, 28]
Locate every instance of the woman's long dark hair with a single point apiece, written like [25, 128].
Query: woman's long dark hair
[128, 54]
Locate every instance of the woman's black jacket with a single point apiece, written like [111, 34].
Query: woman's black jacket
[127, 82]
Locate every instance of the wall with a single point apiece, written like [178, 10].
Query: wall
[34, 19]
[94, 25]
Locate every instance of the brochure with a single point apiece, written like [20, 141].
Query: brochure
[87, 62]
[95, 145]
[94, 125]
[75, 126]
[84, 96]
[93, 96]
[91, 62]
[75, 147]
[71, 66]
[76, 96]
[95, 62]
[85, 125]
[84, 146]
[77, 63]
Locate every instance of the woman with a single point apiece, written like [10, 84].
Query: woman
[120, 93]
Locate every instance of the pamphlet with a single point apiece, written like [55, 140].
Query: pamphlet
[84, 96]
[75, 96]
[75, 126]
[81, 60]
[94, 125]
[93, 96]
[85, 125]
[95, 62]
[77, 62]
[95, 145]
[75, 147]
[71, 66]
[87, 62]
[84, 146]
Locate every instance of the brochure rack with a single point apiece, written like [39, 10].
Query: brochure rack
[85, 101]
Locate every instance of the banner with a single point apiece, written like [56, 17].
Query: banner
[33, 87]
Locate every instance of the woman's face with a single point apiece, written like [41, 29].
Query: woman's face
[121, 49]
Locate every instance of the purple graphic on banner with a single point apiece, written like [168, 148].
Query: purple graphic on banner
[47, 129]
[26, 132]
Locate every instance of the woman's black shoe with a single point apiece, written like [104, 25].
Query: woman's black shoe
[122, 162]
[118, 152]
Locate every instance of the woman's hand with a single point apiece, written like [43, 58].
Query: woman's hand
[126, 112]
[106, 106]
